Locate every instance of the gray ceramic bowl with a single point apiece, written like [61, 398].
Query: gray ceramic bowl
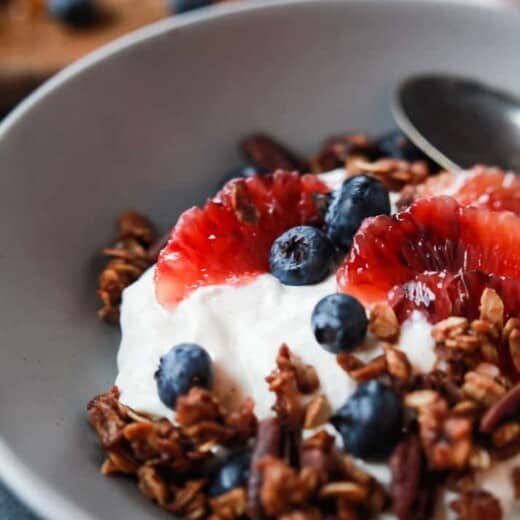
[149, 123]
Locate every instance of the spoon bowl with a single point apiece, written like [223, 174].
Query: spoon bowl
[459, 122]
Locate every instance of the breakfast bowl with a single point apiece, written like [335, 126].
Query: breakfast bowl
[151, 122]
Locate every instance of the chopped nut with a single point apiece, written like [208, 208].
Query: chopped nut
[393, 173]
[383, 322]
[492, 307]
[397, 363]
[482, 388]
[449, 328]
[316, 412]
[477, 504]
[365, 372]
[445, 437]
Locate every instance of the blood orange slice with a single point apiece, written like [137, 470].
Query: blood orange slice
[485, 187]
[435, 256]
[228, 240]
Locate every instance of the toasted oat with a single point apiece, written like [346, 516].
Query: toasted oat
[316, 412]
[229, 506]
[283, 488]
[383, 322]
[338, 150]
[397, 363]
[393, 173]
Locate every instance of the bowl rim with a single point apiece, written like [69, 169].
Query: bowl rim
[43, 498]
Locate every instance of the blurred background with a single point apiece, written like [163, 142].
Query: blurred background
[39, 37]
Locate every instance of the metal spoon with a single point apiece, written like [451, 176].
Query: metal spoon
[459, 122]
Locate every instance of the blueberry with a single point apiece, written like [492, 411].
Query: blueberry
[339, 323]
[233, 472]
[359, 197]
[244, 170]
[182, 367]
[301, 256]
[183, 6]
[77, 13]
[370, 421]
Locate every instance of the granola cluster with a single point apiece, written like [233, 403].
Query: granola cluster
[128, 258]
[461, 417]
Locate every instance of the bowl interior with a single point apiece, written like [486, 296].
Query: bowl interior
[152, 126]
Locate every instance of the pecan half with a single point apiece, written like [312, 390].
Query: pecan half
[506, 407]
[270, 154]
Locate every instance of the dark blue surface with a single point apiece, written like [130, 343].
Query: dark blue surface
[11, 508]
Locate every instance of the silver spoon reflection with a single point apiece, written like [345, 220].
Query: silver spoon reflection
[459, 122]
